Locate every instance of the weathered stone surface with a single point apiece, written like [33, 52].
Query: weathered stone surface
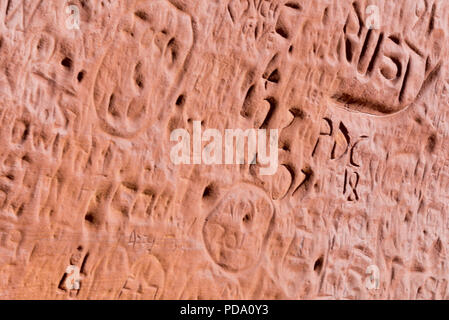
[88, 188]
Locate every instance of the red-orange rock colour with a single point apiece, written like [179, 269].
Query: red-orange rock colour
[92, 207]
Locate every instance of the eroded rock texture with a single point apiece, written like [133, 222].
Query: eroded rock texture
[87, 184]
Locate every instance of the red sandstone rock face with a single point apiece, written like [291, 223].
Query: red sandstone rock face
[92, 205]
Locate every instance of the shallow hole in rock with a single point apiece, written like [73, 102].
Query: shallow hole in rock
[181, 100]
[318, 264]
[80, 76]
[67, 62]
[209, 191]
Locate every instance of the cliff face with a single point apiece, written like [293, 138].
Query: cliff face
[99, 98]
